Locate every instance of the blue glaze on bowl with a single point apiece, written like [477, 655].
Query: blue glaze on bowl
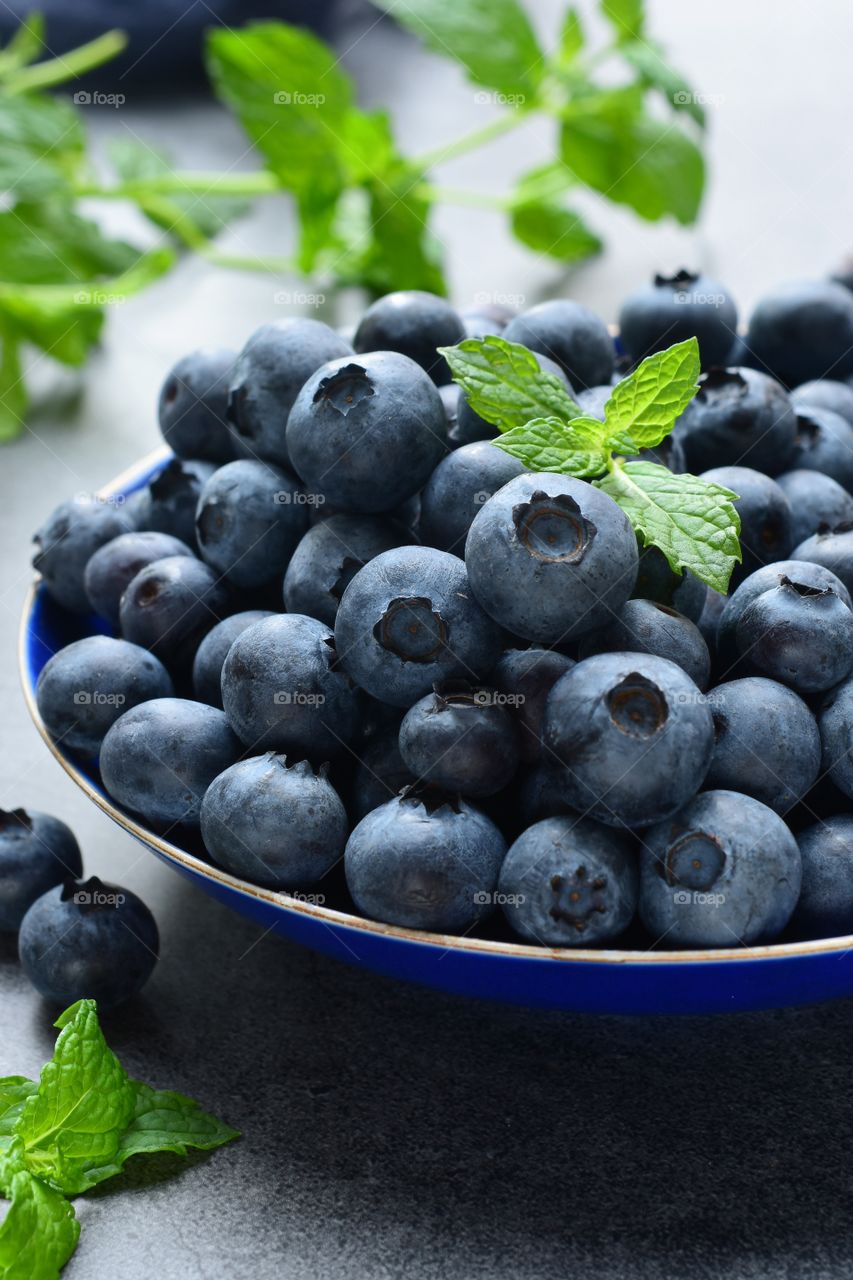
[612, 981]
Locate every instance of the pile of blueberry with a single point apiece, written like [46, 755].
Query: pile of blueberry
[76, 938]
[341, 626]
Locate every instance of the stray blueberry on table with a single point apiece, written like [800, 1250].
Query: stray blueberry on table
[37, 852]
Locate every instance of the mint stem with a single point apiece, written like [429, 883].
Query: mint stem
[470, 141]
[67, 66]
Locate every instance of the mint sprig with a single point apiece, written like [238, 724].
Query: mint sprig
[364, 208]
[692, 521]
[76, 1128]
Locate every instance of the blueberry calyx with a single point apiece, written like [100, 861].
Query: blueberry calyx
[171, 480]
[90, 895]
[15, 821]
[553, 529]
[412, 629]
[236, 401]
[349, 568]
[695, 860]
[577, 898]
[430, 797]
[808, 428]
[637, 706]
[803, 589]
[719, 379]
[682, 279]
[344, 389]
[209, 522]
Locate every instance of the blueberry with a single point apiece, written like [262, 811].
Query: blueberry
[709, 618]
[367, 431]
[450, 394]
[249, 519]
[114, 565]
[835, 721]
[415, 324]
[674, 308]
[569, 882]
[425, 861]
[824, 442]
[172, 498]
[767, 742]
[267, 376]
[570, 334]
[765, 517]
[159, 758]
[457, 489]
[825, 393]
[634, 736]
[170, 606]
[213, 650]
[486, 318]
[408, 620]
[804, 331]
[723, 872]
[797, 633]
[86, 939]
[769, 578]
[36, 853]
[815, 500]
[831, 548]
[380, 774]
[328, 558]
[550, 557]
[539, 793]
[460, 738]
[644, 626]
[84, 688]
[825, 907]
[525, 677]
[283, 689]
[470, 427]
[657, 581]
[273, 822]
[193, 403]
[738, 417]
[66, 541]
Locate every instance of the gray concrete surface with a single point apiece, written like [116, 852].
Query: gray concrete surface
[390, 1131]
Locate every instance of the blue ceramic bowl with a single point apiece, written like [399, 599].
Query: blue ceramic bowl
[589, 981]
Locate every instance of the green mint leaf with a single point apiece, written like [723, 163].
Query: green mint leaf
[554, 230]
[83, 1104]
[161, 1121]
[571, 38]
[13, 388]
[66, 319]
[504, 384]
[40, 1231]
[41, 146]
[643, 407]
[492, 39]
[654, 71]
[48, 243]
[134, 162]
[547, 444]
[14, 1091]
[692, 521]
[626, 17]
[613, 146]
[291, 96]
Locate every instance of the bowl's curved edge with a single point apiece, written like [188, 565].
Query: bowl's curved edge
[270, 904]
